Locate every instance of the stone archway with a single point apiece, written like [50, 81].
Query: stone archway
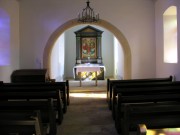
[121, 38]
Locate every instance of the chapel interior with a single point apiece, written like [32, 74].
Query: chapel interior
[52, 41]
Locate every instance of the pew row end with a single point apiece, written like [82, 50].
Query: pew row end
[141, 129]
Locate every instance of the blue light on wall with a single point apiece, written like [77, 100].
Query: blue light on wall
[4, 38]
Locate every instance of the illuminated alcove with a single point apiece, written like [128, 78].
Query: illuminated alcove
[170, 35]
[60, 56]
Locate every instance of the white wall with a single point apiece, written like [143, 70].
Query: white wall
[118, 60]
[135, 18]
[70, 51]
[11, 7]
[57, 59]
[107, 52]
[165, 69]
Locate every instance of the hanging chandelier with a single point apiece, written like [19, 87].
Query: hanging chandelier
[88, 15]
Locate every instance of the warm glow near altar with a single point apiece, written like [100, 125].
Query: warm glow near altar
[88, 95]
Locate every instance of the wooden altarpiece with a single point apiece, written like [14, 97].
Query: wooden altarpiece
[89, 52]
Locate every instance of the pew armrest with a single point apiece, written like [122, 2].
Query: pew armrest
[141, 129]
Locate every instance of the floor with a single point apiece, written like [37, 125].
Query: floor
[88, 112]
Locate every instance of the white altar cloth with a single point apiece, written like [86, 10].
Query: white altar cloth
[87, 68]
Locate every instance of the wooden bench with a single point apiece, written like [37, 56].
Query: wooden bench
[35, 76]
[67, 89]
[48, 115]
[13, 122]
[142, 129]
[111, 83]
[156, 115]
[62, 86]
[139, 108]
[32, 93]
[140, 88]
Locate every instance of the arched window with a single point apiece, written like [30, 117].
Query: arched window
[170, 35]
[4, 38]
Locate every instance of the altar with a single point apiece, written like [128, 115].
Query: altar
[90, 71]
[89, 64]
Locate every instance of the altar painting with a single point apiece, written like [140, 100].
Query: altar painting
[89, 47]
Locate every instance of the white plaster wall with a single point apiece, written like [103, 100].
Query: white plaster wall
[12, 9]
[165, 69]
[70, 51]
[57, 59]
[107, 52]
[135, 18]
[118, 60]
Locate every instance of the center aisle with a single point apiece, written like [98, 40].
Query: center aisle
[88, 112]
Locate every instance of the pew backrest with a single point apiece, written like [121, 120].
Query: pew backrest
[154, 115]
[35, 94]
[46, 108]
[133, 88]
[111, 83]
[21, 122]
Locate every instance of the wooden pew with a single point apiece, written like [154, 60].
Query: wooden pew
[142, 129]
[156, 115]
[141, 87]
[29, 75]
[147, 109]
[29, 93]
[46, 108]
[62, 86]
[67, 88]
[13, 122]
[111, 83]
[35, 76]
